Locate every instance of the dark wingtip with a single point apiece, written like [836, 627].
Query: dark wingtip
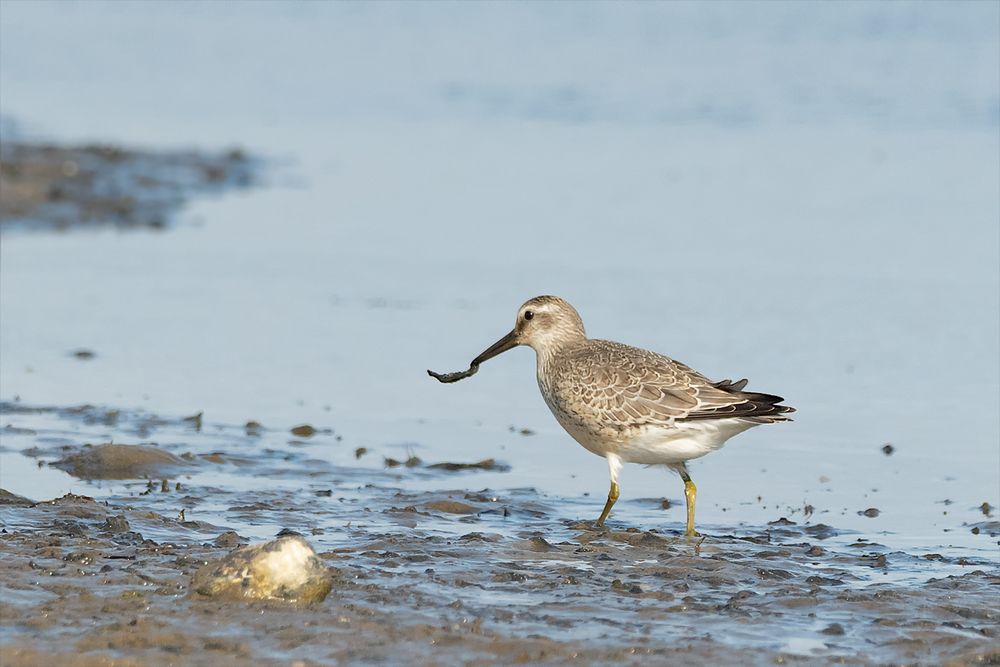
[730, 386]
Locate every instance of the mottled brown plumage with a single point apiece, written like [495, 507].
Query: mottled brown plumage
[627, 386]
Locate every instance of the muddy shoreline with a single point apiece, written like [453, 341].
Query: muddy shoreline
[49, 187]
[451, 576]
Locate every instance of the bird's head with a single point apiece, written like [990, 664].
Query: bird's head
[544, 323]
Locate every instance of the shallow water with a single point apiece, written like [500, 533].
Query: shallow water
[805, 198]
[488, 575]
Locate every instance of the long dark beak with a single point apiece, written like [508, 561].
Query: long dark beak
[507, 342]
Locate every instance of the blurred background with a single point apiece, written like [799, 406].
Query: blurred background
[805, 194]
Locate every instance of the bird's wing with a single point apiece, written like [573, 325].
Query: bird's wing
[628, 386]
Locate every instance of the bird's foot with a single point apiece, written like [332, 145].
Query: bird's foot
[584, 524]
[597, 526]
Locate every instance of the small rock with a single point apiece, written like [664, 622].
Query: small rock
[283, 569]
[871, 512]
[833, 629]
[539, 543]
[451, 507]
[815, 551]
[991, 528]
[304, 431]
[112, 461]
[887, 449]
[228, 540]
[116, 524]
[84, 355]
[480, 537]
[821, 531]
[875, 560]
[360, 451]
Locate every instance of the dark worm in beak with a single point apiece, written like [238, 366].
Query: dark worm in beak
[507, 342]
[453, 377]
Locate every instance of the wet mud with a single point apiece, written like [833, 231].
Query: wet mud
[455, 575]
[55, 187]
[114, 461]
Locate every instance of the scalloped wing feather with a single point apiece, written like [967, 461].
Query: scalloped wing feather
[625, 386]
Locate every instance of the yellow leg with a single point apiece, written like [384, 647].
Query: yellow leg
[690, 493]
[612, 499]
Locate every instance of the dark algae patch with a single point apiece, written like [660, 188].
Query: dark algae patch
[273, 557]
[54, 187]
[485, 464]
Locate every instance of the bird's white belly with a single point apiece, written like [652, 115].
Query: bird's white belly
[660, 444]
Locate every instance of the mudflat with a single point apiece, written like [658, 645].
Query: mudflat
[471, 577]
[58, 187]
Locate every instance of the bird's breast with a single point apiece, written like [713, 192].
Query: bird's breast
[586, 425]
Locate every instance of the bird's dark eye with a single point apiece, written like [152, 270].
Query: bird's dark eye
[528, 314]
